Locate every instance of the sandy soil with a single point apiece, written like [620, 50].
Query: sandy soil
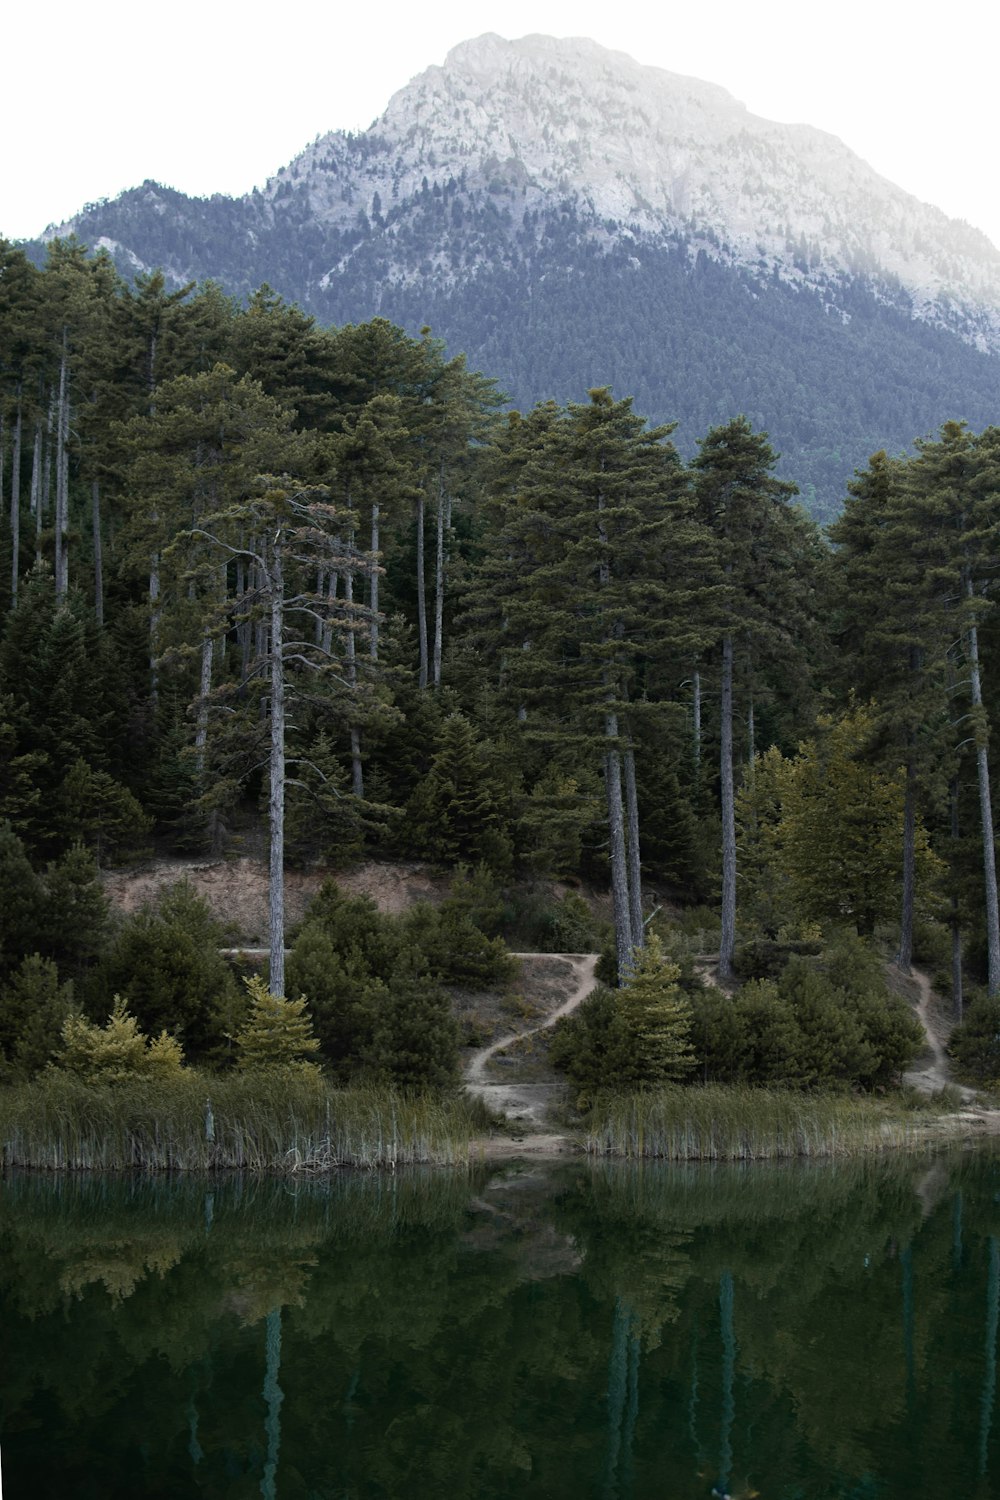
[931, 1070]
[236, 889]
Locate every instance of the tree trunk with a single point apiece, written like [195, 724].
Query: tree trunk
[276, 805]
[332, 582]
[357, 771]
[751, 744]
[957, 995]
[696, 722]
[154, 624]
[904, 958]
[619, 864]
[46, 495]
[15, 504]
[205, 687]
[373, 584]
[439, 565]
[421, 593]
[727, 944]
[95, 510]
[634, 858]
[985, 810]
[62, 473]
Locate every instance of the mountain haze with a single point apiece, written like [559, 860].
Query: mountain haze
[569, 217]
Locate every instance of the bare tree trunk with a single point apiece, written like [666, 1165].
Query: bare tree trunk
[727, 944]
[357, 772]
[154, 625]
[62, 472]
[46, 494]
[205, 688]
[439, 579]
[15, 504]
[276, 804]
[95, 510]
[35, 500]
[696, 721]
[634, 858]
[332, 582]
[619, 866]
[421, 592]
[985, 809]
[373, 584]
[904, 957]
[957, 993]
[243, 626]
[751, 743]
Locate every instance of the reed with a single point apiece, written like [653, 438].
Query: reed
[746, 1124]
[261, 1124]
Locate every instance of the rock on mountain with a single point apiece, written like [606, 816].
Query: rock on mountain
[569, 217]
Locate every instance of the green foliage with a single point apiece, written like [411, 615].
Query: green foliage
[340, 986]
[117, 1052]
[975, 1042]
[21, 900]
[453, 815]
[166, 959]
[821, 1022]
[34, 1005]
[277, 1034]
[415, 1037]
[450, 946]
[635, 1037]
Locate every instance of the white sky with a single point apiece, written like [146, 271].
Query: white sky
[207, 96]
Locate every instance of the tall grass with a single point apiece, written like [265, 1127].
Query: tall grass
[264, 1124]
[745, 1124]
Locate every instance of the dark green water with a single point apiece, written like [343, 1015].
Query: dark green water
[609, 1332]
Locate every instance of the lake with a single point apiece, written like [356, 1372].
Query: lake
[610, 1331]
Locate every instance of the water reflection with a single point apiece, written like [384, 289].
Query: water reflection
[616, 1332]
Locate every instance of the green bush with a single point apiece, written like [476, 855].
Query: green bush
[33, 1009]
[975, 1043]
[117, 1052]
[277, 1034]
[635, 1037]
[166, 959]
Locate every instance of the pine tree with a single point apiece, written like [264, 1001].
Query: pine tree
[277, 1034]
[760, 610]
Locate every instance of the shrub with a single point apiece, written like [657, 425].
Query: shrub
[635, 1037]
[415, 1038]
[33, 1009]
[277, 1033]
[166, 959]
[117, 1052]
[975, 1043]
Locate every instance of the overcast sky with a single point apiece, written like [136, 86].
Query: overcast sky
[209, 97]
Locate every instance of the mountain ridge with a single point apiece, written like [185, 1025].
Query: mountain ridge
[565, 215]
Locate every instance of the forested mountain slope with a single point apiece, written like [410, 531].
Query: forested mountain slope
[568, 218]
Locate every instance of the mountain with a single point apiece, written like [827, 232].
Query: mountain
[569, 218]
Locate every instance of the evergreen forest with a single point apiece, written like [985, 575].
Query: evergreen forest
[312, 593]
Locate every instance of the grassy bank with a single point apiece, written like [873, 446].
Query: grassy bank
[263, 1125]
[752, 1124]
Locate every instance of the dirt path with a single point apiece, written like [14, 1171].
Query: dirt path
[527, 1104]
[932, 1070]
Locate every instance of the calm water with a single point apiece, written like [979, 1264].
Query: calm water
[575, 1332]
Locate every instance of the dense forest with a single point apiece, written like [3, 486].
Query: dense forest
[550, 303]
[269, 585]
